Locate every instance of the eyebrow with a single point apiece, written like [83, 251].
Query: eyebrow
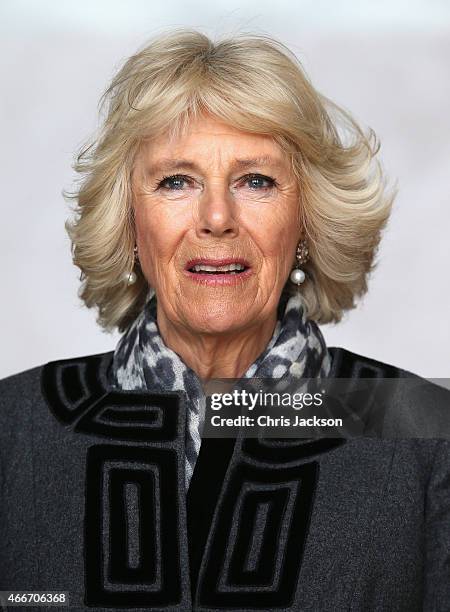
[169, 163]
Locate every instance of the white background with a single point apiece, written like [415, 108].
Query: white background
[388, 62]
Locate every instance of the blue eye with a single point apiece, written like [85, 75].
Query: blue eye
[173, 183]
[259, 181]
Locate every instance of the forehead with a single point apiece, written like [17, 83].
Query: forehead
[212, 137]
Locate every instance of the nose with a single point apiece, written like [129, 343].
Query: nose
[216, 213]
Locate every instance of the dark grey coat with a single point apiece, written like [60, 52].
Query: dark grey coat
[93, 503]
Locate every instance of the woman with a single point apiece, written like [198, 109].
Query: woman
[220, 220]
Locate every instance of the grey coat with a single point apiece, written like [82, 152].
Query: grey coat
[93, 503]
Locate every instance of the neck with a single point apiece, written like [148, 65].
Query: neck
[217, 355]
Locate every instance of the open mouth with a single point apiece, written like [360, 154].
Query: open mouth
[234, 268]
[218, 272]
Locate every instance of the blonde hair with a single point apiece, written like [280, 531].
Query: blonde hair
[256, 84]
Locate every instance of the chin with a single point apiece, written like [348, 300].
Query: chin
[219, 320]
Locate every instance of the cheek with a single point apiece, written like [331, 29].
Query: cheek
[276, 234]
[159, 232]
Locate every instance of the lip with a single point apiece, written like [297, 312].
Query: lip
[218, 280]
[216, 262]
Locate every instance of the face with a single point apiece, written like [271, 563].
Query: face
[217, 224]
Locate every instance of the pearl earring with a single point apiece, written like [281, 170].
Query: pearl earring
[130, 277]
[302, 255]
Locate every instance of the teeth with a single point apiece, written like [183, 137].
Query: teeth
[227, 268]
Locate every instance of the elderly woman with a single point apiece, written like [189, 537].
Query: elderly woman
[222, 217]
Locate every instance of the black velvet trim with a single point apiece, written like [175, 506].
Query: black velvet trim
[346, 364]
[366, 405]
[120, 536]
[132, 550]
[151, 416]
[110, 581]
[75, 391]
[224, 582]
[71, 386]
[203, 493]
[249, 567]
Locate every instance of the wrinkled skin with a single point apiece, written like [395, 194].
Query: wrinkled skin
[214, 207]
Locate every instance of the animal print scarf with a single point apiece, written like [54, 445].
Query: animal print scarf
[143, 361]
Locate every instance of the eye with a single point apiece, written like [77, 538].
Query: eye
[176, 182]
[259, 181]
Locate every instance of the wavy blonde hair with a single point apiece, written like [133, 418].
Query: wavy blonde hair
[255, 84]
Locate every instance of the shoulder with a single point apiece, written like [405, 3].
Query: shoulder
[15, 384]
[411, 404]
[347, 364]
[69, 377]
[17, 394]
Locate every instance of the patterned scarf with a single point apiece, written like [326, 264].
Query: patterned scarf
[143, 361]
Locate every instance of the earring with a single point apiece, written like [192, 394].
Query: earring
[130, 277]
[302, 255]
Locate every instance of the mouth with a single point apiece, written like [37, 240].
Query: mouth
[218, 271]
